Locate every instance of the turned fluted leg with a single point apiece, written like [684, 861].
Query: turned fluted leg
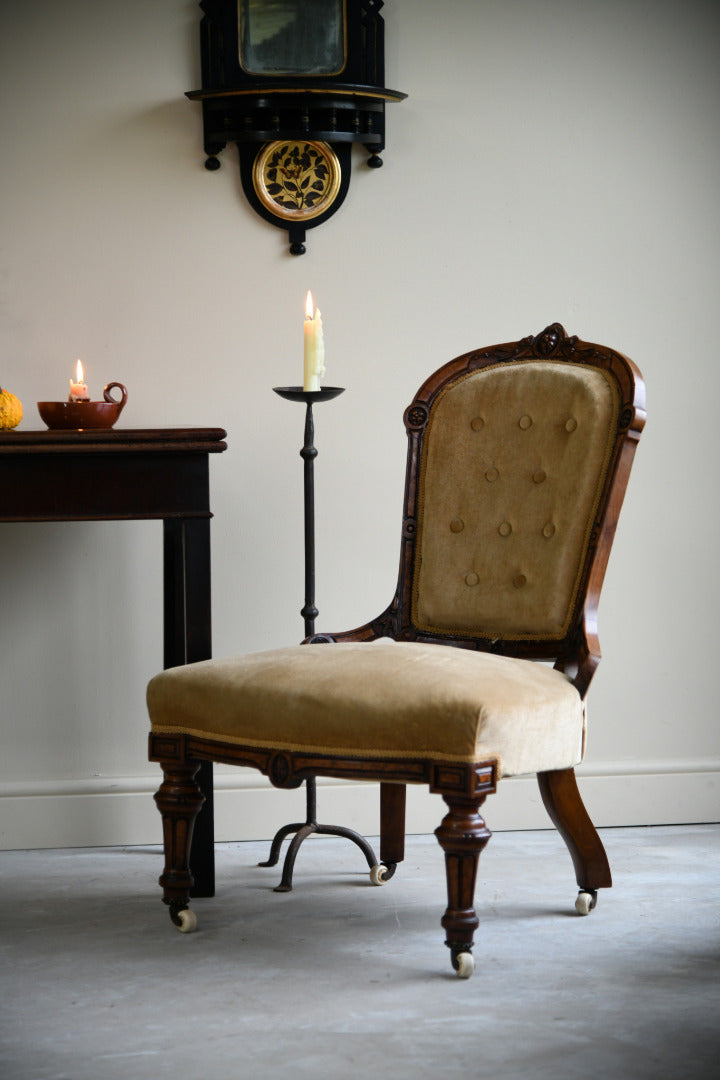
[179, 800]
[462, 835]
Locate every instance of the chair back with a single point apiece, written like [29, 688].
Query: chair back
[518, 460]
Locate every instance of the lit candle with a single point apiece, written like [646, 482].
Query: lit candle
[78, 389]
[314, 360]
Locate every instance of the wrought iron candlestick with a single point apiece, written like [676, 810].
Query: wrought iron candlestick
[309, 612]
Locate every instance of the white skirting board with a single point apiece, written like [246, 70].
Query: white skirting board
[119, 811]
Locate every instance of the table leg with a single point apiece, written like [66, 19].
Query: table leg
[187, 639]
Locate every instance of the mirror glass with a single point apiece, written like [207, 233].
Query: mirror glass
[292, 37]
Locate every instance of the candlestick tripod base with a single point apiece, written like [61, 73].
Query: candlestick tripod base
[309, 612]
[302, 830]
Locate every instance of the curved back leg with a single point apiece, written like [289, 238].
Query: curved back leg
[562, 801]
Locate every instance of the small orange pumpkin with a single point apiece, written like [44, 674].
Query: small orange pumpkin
[11, 410]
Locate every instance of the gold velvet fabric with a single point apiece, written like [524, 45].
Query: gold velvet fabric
[514, 461]
[379, 699]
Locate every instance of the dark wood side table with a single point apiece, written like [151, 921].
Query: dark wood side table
[107, 475]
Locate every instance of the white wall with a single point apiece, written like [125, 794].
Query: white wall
[555, 160]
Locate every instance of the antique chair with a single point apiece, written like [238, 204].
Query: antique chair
[518, 460]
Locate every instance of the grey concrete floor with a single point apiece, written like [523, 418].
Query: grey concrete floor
[341, 979]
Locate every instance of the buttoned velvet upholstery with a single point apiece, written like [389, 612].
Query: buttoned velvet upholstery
[514, 463]
[517, 463]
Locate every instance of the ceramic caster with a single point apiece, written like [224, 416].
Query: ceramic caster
[585, 902]
[381, 873]
[378, 874]
[465, 965]
[186, 921]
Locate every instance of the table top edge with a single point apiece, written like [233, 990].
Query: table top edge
[210, 440]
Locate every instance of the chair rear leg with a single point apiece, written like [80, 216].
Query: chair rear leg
[392, 827]
[561, 798]
[179, 800]
[462, 835]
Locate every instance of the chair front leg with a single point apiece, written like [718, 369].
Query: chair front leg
[462, 835]
[179, 800]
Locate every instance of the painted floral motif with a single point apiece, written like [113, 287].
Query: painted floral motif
[296, 176]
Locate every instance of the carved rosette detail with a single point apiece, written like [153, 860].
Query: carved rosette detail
[409, 528]
[280, 770]
[626, 417]
[416, 417]
[553, 341]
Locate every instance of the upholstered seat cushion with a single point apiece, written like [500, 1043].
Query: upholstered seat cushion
[378, 700]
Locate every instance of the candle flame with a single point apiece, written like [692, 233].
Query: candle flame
[309, 305]
[79, 373]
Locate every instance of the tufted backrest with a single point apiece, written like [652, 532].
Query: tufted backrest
[514, 462]
[513, 452]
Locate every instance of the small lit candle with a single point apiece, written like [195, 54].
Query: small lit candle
[314, 359]
[78, 388]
